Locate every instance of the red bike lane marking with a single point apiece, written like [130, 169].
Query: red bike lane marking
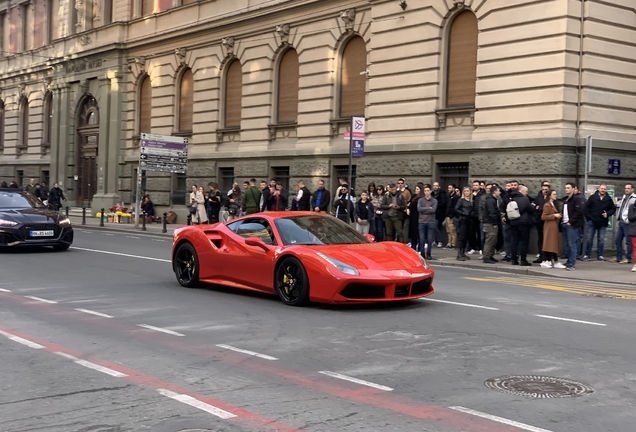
[443, 416]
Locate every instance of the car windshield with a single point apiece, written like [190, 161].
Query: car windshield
[16, 201]
[317, 230]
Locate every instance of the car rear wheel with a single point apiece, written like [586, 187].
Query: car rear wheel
[292, 283]
[61, 247]
[186, 266]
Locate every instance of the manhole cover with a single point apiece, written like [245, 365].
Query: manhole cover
[541, 387]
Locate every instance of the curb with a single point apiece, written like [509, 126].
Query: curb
[124, 231]
[522, 271]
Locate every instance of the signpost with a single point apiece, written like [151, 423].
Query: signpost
[356, 142]
[588, 157]
[161, 153]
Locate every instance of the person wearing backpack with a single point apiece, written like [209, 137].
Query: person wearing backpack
[519, 213]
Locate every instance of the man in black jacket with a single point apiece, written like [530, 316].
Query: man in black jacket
[440, 214]
[303, 197]
[571, 224]
[321, 198]
[265, 194]
[451, 229]
[393, 205]
[598, 209]
[475, 233]
[491, 224]
[520, 227]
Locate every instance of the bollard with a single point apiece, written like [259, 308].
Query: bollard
[143, 226]
[83, 215]
[165, 222]
[189, 219]
[101, 218]
[66, 211]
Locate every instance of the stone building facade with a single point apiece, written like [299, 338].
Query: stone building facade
[452, 90]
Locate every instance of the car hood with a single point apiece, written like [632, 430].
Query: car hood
[373, 256]
[31, 215]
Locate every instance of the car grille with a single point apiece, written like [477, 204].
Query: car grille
[401, 291]
[25, 231]
[363, 291]
[421, 287]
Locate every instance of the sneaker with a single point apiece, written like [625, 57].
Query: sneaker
[546, 264]
[634, 268]
[525, 264]
[585, 258]
[537, 261]
[481, 257]
[615, 260]
[558, 265]
[448, 247]
[538, 255]
[569, 268]
[439, 244]
[601, 258]
[506, 259]
[502, 253]
[472, 251]
[625, 261]
[489, 261]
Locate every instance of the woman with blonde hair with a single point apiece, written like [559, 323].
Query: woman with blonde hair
[551, 218]
[197, 206]
[463, 218]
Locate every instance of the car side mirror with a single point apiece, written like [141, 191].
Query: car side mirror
[255, 241]
[370, 237]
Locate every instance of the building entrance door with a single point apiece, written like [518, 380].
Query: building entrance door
[88, 145]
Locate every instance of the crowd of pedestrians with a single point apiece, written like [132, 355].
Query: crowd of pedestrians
[51, 198]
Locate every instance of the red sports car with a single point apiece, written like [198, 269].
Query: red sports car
[302, 257]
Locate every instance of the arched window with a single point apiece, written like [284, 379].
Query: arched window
[185, 102]
[288, 78]
[353, 82]
[23, 142]
[462, 61]
[147, 7]
[233, 94]
[1, 126]
[145, 105]
[47, 120]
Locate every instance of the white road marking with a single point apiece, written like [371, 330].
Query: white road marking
[132, 237]
[41, 299]
[189, 400]
[356, 380]
[252, 353]
[572, 320]
[20, 340]
[121, 254]
[92, 365]
[159, 329]
[461, 304]
[499, 419]
[4, 290]
[163, 241]
[103, 315]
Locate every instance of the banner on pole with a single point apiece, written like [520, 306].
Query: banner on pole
[163, 153]
[358, 136]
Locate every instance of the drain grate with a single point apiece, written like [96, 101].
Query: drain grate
[539, 387]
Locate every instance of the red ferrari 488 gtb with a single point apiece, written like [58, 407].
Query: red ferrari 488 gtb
[302, 257]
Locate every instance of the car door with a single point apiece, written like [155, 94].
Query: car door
[252, 265]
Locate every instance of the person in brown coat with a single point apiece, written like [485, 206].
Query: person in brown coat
[551, 218]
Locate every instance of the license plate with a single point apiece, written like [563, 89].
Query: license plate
[48, 233]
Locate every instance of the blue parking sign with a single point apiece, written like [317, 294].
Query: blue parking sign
[614, 167]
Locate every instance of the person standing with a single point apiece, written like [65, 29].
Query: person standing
[631, 217]
[538, 203]
[490, 218]
[440, 215]
[571, 224]
[56, 196]
[551, 217]
[251, 198]
[321, 198]
[343, 204]
[197, 206]
[412, 217]
[235, 203]
[520, 225]
[474, 233]
[623, 226]
[44, 192]
[393, 205]
[451, 229]
[403, 188]
[303, 198]
[427, 223]
[598, 209]
[30, 188]
[214, 202]
[463, 219]
[363, 213]
[378, 221]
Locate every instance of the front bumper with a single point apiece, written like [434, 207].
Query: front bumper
[20, 235]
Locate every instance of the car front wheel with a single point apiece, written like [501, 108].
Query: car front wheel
[292, 283]
[186, 266]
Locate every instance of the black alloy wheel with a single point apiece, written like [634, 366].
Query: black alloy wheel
[186, 266]
[61, 247]
[292, 283]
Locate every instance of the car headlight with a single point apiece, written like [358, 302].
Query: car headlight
[424, 263]
[345, 268]
[7, 223]
[65, 221]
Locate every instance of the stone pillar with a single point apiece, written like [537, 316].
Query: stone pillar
[115, 131]
[61, 134]
[55, 133]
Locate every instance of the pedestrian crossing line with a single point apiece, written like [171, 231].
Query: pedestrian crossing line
[574, 288]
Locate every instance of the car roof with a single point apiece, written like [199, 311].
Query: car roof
[14, 190]
[279, 214]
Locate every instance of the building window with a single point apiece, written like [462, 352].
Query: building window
[3, 39]
[145, 105]
[353, 79]
[54, 17]
[1, 126]
[23, 141]
[147, 7]
[462, 61]
[288, 85]
[47, 120]
[27, 27]
[281, 174]
[227, 179]
[186, 102]
[233, 95]
[107, 13]
[180, 190]
[453, 173]
[342, 171]
[20, 176]
[39, 30]
[46, 177]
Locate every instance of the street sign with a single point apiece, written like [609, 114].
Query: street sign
[357, 136]
[357, 148]
[614, 167]
[163, 153]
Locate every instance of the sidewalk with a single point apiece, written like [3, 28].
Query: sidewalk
[590, 271]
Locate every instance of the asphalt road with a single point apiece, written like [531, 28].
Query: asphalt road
[102, 338]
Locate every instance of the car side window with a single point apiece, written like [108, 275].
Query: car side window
[234, 225]
[257, 228]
